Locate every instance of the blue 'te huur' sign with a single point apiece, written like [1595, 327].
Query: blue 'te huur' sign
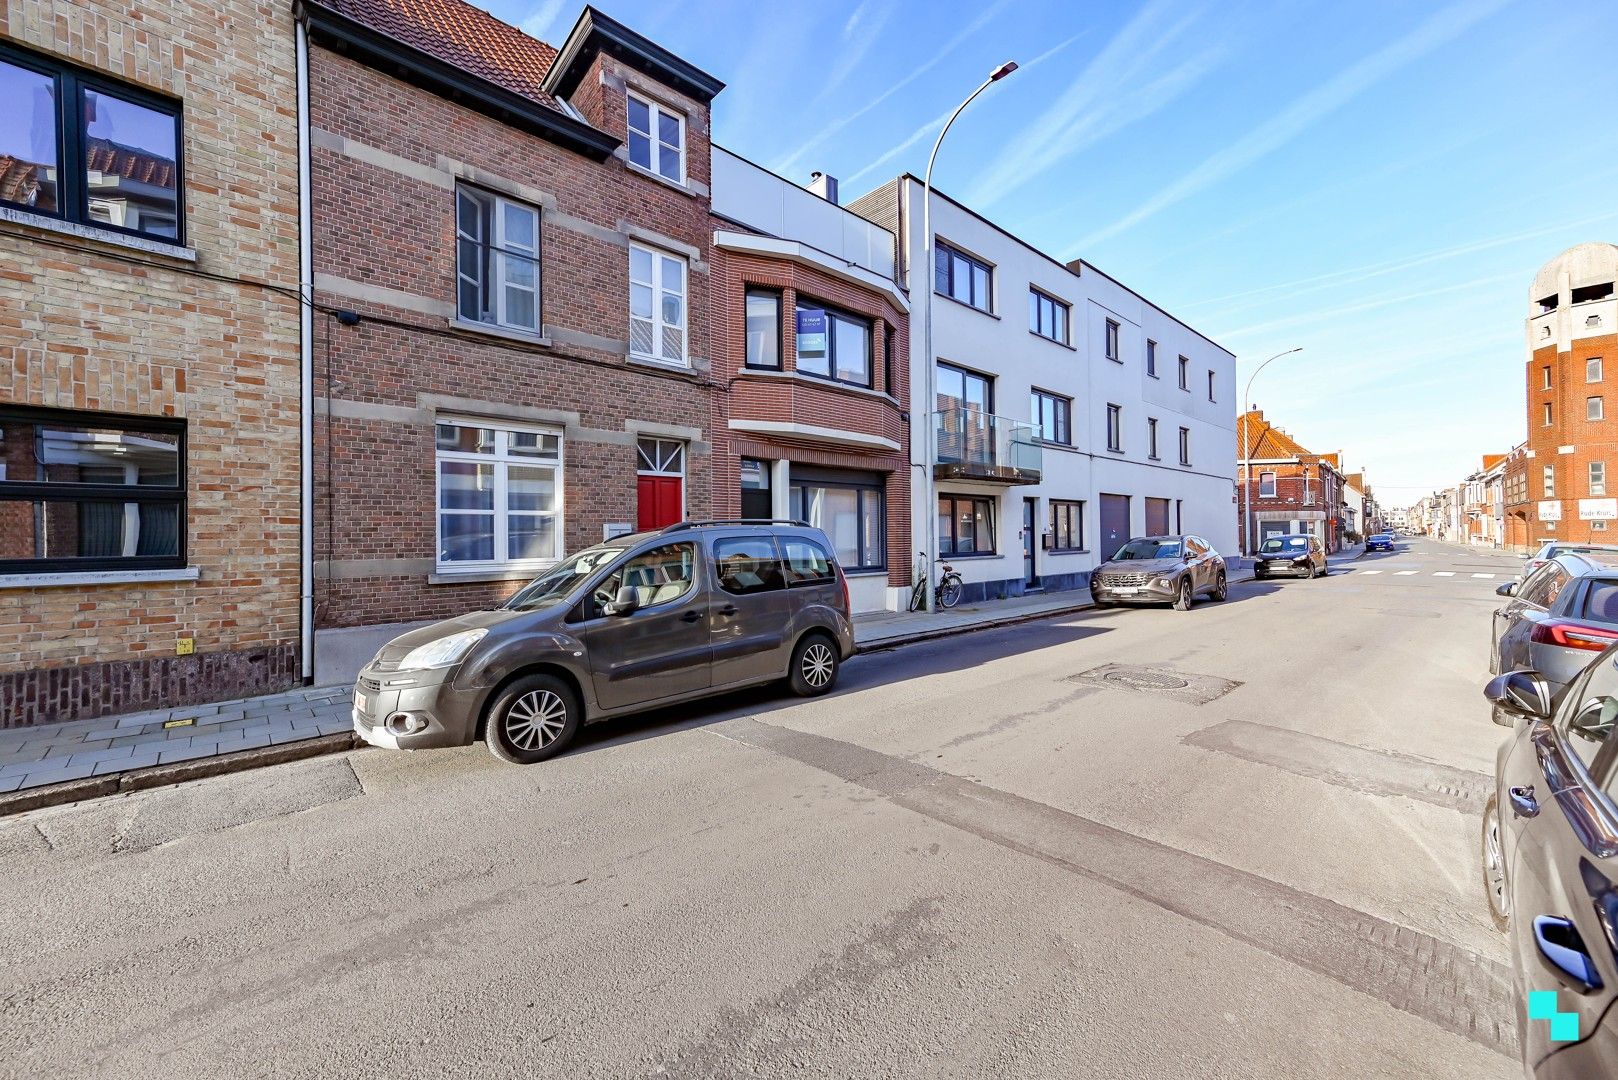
[811, 332]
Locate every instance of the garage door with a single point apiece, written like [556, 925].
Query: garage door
[1157, 517]
[1114, 523]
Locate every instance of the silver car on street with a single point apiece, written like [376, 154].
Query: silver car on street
[635, 623]
[1553, 623]
[1160, 570]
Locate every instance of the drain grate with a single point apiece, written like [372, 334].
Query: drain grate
[1191, 689]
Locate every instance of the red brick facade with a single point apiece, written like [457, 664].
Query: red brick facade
[787, 397]
[1590, 440]
[388, 158]
[1305, 484]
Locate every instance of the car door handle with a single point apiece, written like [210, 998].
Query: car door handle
[1523, 803]
[691, 616]
[728, 609]
[1561, 947]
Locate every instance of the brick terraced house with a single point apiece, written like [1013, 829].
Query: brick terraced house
[517, 244]
[1289, 488]
[149, 356]
[1572, 331]
[812, 342]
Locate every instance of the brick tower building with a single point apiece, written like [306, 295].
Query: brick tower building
[1572, 442]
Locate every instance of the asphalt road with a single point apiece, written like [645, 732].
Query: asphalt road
[981, 857]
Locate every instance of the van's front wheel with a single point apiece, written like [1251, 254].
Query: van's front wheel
[815, 665]
[535, 718]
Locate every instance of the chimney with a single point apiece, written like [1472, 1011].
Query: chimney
[824, 186]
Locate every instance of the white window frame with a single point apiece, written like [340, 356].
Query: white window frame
[1595, 408]
[654, 140]
[659, 288]
[1547, 414]
[1549, 481]
[1598, 478]
[501, 459]
[1593, 370]
[501, 246]
[1263, 478]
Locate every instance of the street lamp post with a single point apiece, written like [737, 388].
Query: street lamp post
[930, 380]
[1247, 460]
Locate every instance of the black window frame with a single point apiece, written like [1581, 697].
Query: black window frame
[834, 313]
[1185, 374]
[1185, 446]
[1040, 302]
[1072, 510]
[941, 247]
[1151, 358]
[1115, 428]
[779, 299]
[1211, 380]
[72, 191]
[34, 491]
[954, 516]
[1062, 415]
[796, 500]
[1151, 438]
[1112, 342]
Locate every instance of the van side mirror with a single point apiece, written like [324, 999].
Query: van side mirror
[1508, 589]
[627, 603]
[1520, 693]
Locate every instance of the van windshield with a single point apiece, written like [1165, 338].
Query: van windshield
[1278, 544]
[558, 583]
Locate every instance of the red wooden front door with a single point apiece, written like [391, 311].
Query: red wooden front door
[659, 501]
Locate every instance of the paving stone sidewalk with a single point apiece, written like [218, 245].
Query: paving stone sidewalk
[35, 757]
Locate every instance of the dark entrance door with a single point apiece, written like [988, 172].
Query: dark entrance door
[1030, 530]
[1157, 517]
[1114, 523]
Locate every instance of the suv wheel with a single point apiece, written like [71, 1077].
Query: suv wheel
[1494, 866]
[814, 666]
[534, 718]
[1221, 587]
[1182, 599]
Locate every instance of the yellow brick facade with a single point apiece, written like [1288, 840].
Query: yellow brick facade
[100, 326]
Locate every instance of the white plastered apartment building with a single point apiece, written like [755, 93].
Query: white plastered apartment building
[1045, 421]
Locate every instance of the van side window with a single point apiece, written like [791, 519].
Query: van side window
[807, 563]
[657, 576]
[747, 564]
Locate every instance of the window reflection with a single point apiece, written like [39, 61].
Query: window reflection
[130, 169]
[28, 139]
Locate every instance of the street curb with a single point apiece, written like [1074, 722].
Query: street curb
[95, 787]
[954, 631]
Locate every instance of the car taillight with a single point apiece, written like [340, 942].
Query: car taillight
[1571, 635]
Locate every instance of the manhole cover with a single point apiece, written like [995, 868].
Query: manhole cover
[1191, 689]
[1146, 680]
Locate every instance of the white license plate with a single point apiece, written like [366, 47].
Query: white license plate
[1121, 589]
[362, 703]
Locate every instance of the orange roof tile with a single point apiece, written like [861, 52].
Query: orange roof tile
[465, 36]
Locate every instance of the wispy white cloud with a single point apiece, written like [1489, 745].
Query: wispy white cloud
[1441, 28]
[539, 22]
[860, 33]
[931, 127]
[808, 146]
[1368, 304]
[1123, 83]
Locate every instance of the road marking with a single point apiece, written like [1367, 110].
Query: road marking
[1443, 573]
[1370, 571]
[1404, 573]
[1489, 576]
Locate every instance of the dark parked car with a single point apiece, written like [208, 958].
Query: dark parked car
[1298, 554]
[1379, 542]
[1550, 864]
[637, 622]
[1160, 570]
[1554, 621]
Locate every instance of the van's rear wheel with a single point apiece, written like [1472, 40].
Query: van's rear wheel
[815, 665]
[535, 718]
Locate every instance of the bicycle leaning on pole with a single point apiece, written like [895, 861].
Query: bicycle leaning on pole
[948, 590]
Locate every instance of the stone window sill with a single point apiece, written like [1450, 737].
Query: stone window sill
[503, 332]
[659, 177]
[110, 237]
[97, 577]
[473, 577]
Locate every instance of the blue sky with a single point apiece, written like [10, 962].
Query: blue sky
[1376, 182]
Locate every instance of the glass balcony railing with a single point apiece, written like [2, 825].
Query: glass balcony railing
[975, 445]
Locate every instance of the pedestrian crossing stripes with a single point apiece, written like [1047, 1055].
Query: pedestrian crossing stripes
[1443, 573]
[1405, 573]
[1435, 573]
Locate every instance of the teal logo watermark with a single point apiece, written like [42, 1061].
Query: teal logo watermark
[1564, 1025]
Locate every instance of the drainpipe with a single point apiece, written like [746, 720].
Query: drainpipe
[306, 375]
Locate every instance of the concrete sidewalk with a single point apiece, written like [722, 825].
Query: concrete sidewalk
[40, 766]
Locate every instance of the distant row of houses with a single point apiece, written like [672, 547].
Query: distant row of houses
[1291, 489]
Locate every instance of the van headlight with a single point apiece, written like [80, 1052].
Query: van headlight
[443, 652]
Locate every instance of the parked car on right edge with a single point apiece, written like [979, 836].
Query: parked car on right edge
[1554, 621]
[1551, 550]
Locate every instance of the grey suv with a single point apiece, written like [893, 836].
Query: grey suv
[637, 622]
[1160, 570]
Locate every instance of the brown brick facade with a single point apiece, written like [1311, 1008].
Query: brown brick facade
[790, 398]
[1591, 440]
[83, 327]
[388, 156]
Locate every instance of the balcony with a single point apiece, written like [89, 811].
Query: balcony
[975, 445]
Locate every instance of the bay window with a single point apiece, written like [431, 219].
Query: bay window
[499, 495]
[833, 344]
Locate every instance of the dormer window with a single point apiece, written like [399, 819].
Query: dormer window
[656, 138]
